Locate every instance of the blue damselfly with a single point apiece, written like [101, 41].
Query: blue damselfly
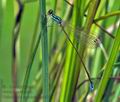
[88, 40]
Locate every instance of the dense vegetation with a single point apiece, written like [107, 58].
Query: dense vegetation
[39, 63]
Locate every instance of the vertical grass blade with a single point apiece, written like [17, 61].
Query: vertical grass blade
[108, 69]
[1, 16]
[44, 42]
[91, 14]
[72, 69]
[6, 40]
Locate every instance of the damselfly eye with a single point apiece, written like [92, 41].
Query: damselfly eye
[50, 12]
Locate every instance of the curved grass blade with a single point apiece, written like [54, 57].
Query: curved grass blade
[27, 74]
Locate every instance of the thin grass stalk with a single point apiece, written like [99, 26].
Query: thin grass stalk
[34, 23]
[44, 42]
[54, 4]
[71, 71]
[57, 79]
[97, 79]
[115, 13]
[109, 67]
[91, 14]
[29, 67]
[117, 93]
[92, 9]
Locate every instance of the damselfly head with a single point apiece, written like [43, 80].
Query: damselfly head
[50, 12]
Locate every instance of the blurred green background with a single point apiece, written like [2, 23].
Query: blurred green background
[54, 68]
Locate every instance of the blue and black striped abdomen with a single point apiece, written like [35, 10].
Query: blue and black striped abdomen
[56, 18]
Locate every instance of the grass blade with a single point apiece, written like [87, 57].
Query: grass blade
[108, 69]
[44, 42]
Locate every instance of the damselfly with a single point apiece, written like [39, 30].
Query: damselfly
[89, 40]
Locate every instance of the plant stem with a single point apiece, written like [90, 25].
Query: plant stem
[91, 14]
[115, 13]
[108, 68]
[44, 42]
